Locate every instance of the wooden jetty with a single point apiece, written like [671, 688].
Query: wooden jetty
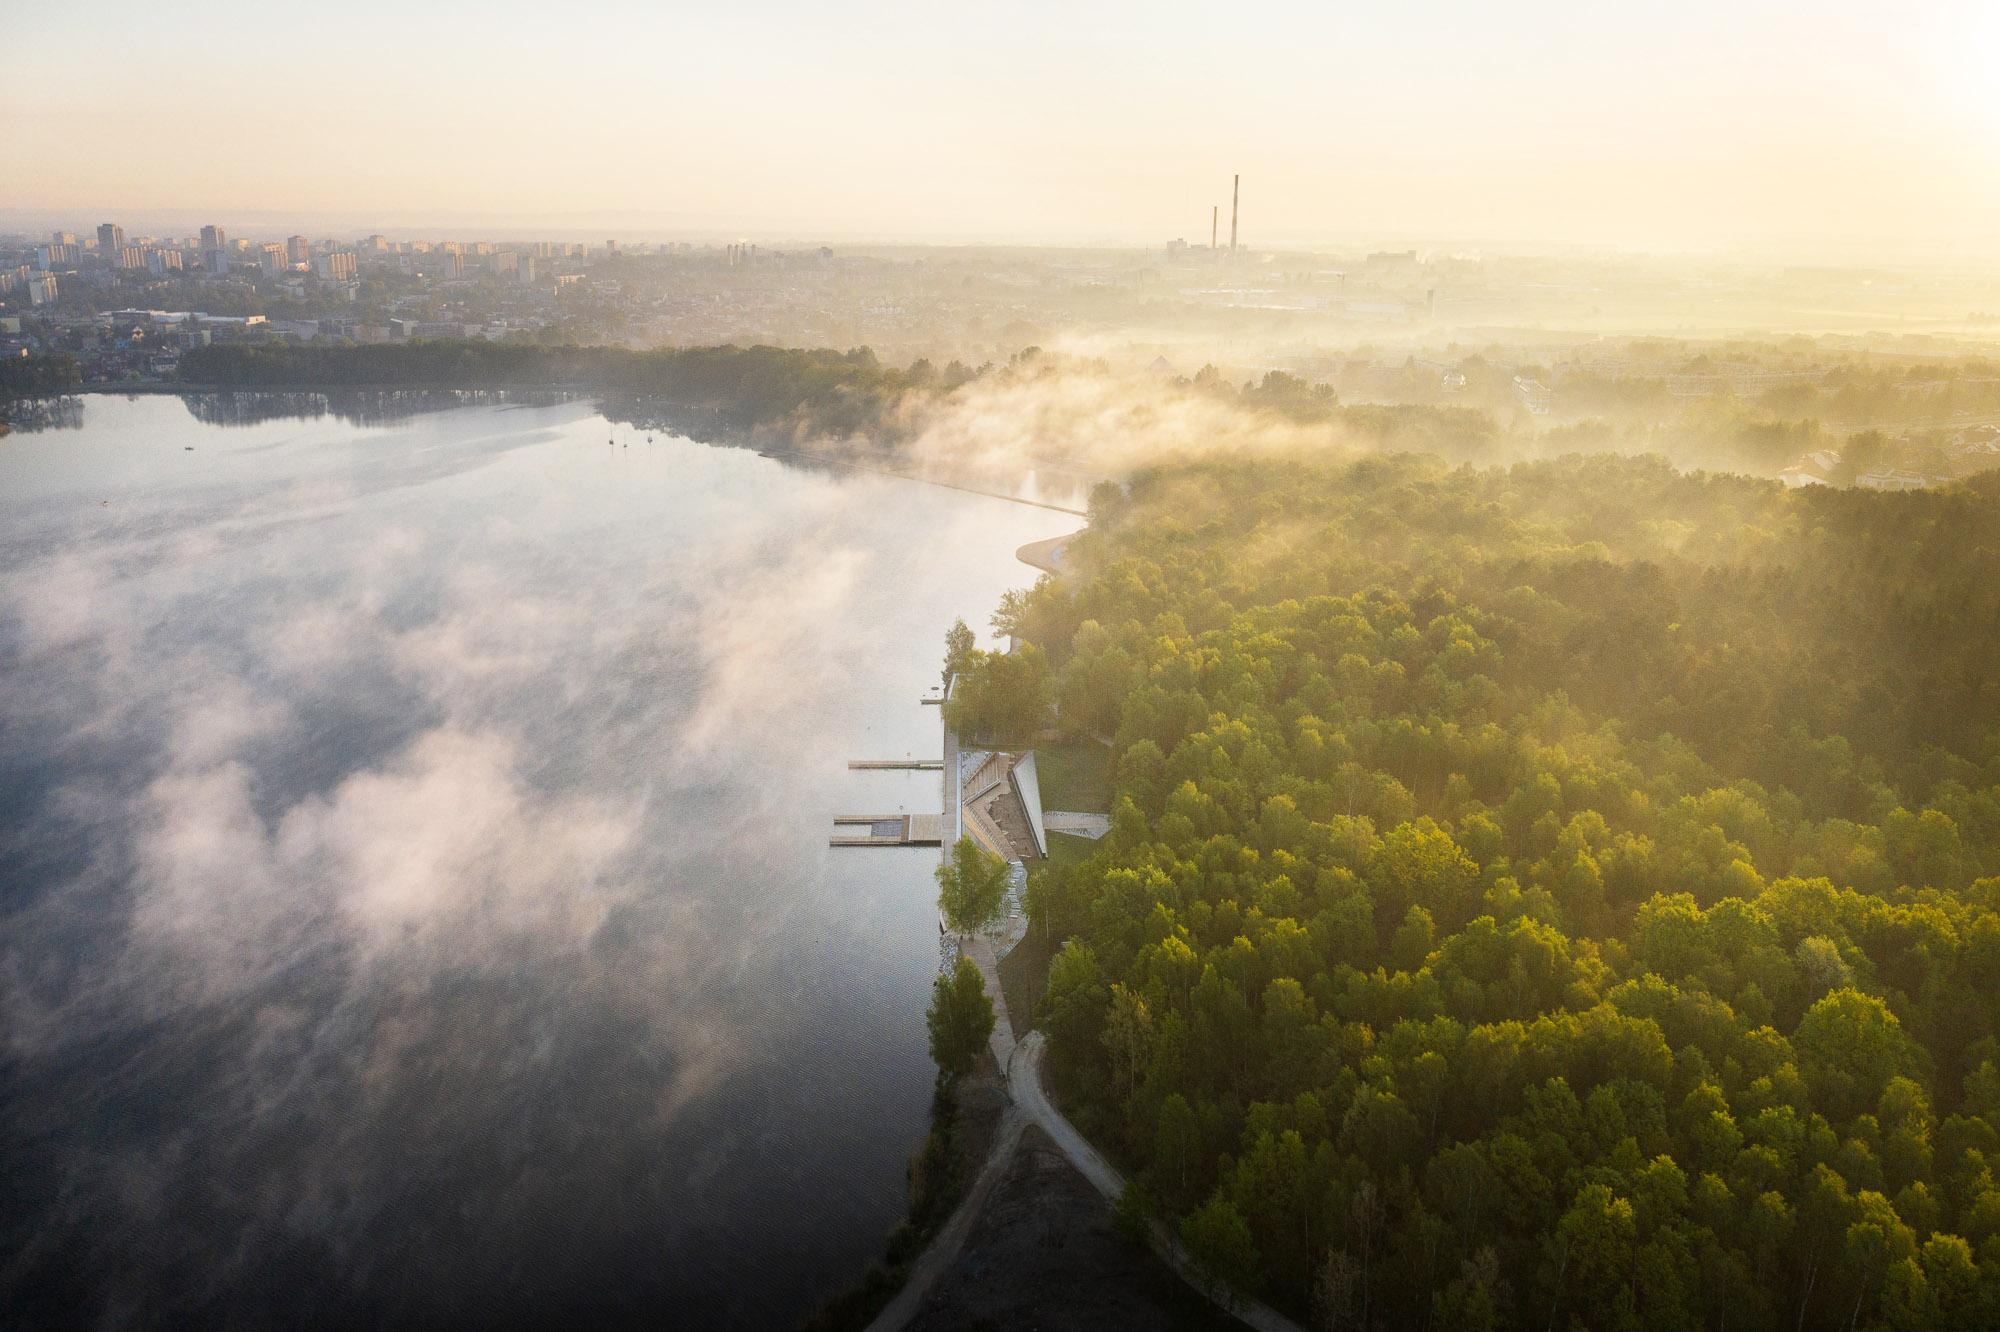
[889, 830]
[906, 765]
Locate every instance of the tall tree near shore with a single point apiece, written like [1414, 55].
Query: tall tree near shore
[960, 1020]
[972, 887]
[959, 642]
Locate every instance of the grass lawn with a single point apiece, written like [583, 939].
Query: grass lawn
[1024, 974]
[1024, 971]
[1072, 777]
[1066, 849]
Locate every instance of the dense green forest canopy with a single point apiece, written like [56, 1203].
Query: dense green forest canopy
[1557, 895]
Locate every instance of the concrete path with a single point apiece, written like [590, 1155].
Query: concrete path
[1092, 826]
[980, 949]
[1024, 1080]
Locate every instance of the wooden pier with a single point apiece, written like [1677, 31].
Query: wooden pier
[889, 830]
[906, 765]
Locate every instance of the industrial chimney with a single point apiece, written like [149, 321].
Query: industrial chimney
[1235, 192]
[1213, 214]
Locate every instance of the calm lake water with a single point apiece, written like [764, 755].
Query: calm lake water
[415, 904]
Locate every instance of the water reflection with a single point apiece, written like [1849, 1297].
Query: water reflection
[37, 414]
[358, 406]
[412, 853]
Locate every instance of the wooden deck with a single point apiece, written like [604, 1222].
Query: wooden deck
[889, 830]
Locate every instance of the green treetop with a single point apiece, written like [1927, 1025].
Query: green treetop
[972, 887]
[959, 642]
[960, 1020]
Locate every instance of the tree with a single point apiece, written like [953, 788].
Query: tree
[1335, 1291]
[30, 376]
[1470, 1303]
[1174, 1137]
[1128, 1035]
[1219, 1238]
[1854, 1046]
[960, 1020]
[972, 887]
[1074, 1005]
[959, 642]
[1596, 1237]
[1419, 865]
[1001, 693]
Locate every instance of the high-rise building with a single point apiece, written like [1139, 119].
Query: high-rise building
[129, 256]
[65, 238]
[212, 238]
[272, 257]
[526, 271]
[41, 288]
[340, 266]
[298, 249]
[110, 240]
[162, 262]
[377, 244]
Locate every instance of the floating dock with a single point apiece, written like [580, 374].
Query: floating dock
[889, 830]
[907, 765]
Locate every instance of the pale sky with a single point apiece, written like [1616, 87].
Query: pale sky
[1696, 123]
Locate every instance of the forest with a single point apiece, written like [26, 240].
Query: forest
[829, 392]
[1565, 894]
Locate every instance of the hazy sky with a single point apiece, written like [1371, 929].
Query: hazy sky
[1696, 122]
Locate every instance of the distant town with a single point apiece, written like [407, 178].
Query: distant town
[1682, 348]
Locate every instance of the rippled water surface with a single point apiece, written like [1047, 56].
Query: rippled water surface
[415, 903]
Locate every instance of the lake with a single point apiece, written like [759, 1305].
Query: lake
[414, 871]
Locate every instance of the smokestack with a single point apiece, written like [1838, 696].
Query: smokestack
[1213, 214]
[1235, 192]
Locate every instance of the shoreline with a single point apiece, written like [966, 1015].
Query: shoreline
[937, 1279]
[1050, 556]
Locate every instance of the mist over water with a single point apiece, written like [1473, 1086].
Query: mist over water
[415, 903]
